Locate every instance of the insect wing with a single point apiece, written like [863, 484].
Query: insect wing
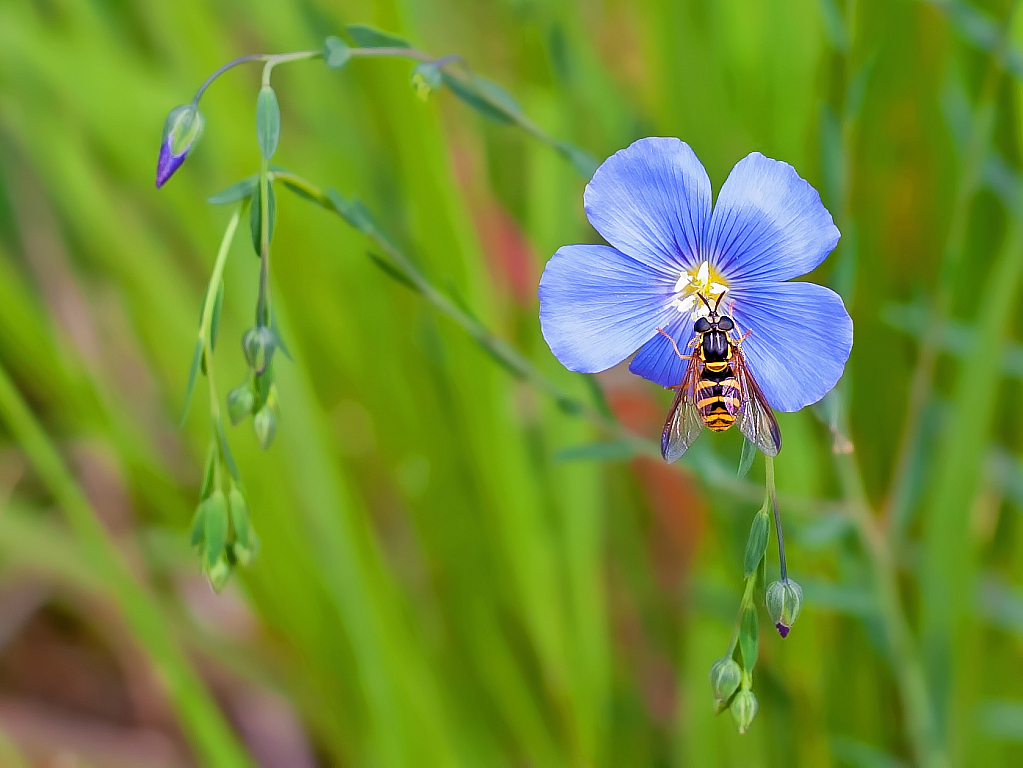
[756, 419]
[683, 424]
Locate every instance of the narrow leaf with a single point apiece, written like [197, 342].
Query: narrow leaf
[366, 36]
[255, 215]
[192, 373]
[392, 271]
[212, 456]
[756, 545]
[198, 529]
[225, 451]
[237, 191]
[268, 121]
[336, 52]
[218, 305]
[749, 452]
[278, 339]
[477, 100]
[585, 163]
[749, 638]
[215, 528]
[352, 211]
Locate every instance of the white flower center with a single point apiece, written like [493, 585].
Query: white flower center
[703, 281]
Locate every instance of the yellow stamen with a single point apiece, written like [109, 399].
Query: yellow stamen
[703, 280]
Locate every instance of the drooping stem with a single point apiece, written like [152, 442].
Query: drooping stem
[773, 495]
[271, 59]
[206, 326]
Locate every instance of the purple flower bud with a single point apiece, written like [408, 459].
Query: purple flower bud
[181, 132]
[784, 601]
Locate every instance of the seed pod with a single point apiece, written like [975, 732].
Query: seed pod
[725, 677]
[744, 709]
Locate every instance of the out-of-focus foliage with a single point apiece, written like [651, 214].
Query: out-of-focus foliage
[450, 573]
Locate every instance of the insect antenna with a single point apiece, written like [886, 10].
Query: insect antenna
[713, 310]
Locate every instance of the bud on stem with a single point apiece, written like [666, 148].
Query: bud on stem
[181, 132]
[784, 601]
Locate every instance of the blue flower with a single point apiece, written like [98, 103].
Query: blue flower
[652, 203]
[181, 132]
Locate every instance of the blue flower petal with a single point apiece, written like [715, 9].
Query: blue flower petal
[658, 360]
[768, 223]
[652, 201]
[598, 306]
[801, 338]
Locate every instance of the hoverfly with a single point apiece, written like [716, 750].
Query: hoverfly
[716, 390]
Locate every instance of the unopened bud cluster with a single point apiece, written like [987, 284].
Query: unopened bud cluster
[257, 397]
[222, 532]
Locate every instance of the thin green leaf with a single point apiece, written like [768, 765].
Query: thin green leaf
[218, 305]
[477, 100]
[209, 472]
[214, 528]
[599, 398]
[237, 191]
[392, 271]
[756, 545]
[198, 529]
[193, 371]
[225, 451]
[749, 452]
[255, 215]
[585, 163]
[268, 121]
[336, 52]
[749, 638]
[366, 36]
[352, 211]
[278, 339]
[614, 450]
[300, 190]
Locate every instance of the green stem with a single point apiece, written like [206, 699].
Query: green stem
[263, 301]
[206, 326]
[200, 716]
[773, 496]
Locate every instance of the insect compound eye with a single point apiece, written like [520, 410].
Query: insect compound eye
[702, 325]
[726, 324]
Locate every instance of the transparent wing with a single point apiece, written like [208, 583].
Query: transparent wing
[756, 419]
[683, 424]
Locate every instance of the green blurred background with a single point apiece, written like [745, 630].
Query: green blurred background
[440, 583]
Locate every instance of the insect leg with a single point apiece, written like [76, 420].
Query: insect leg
[673, 344]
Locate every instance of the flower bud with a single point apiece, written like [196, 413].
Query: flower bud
[259, 344]
[744, 709]
[426, 77]
[181, 133]
[219, 574]
[784, 600]
[725, 677]
[240, 401]
[265, 423]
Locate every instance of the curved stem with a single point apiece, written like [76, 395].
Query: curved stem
[206, 326]
[271, 59]
[773, 495]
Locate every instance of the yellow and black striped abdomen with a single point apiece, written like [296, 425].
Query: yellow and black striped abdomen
[718, 397]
